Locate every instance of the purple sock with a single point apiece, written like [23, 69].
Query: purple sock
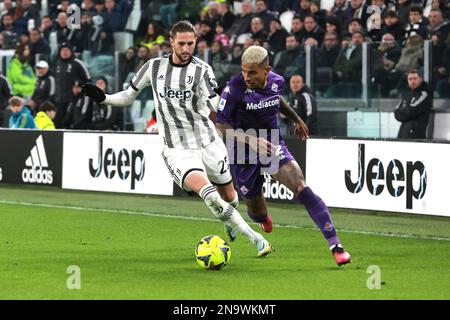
[319, 213]
[258, 218]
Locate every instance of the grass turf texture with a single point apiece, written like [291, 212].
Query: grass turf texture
[137, 252]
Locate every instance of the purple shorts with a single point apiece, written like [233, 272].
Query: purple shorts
[249, 178]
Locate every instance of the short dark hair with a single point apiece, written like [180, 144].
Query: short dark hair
[181, 26]
[297, 17]
[416, 9]
[47, 106]
[390, 14]
[414, 71]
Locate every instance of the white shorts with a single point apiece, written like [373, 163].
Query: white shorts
[212, 160]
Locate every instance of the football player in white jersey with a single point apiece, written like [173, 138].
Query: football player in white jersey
[193, 152]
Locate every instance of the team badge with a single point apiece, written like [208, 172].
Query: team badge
[274, 87]
[244, 190]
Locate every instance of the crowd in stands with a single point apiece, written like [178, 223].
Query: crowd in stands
[395, 30]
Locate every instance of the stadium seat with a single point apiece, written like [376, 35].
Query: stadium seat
[122, 41]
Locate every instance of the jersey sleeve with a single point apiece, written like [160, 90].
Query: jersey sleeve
[126, 97]
[227, 105]
[208, 83]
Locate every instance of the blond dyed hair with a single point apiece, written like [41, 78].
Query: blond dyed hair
[255, 55]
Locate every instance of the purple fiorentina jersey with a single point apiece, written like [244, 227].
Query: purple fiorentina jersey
[243, 108]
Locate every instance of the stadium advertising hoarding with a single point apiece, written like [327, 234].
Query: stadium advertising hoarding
[410, 177]
[31, 157]
[129, 163]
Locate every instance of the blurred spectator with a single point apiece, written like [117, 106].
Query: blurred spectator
[67, 71]
[105, 117]
[212, 13]
[393, 26]
[338, 11]
[218, 61]
[354, 11]
[62, 34]
[45, 86]
[226, 16]
[242, 22]
[443, 85]
[10, 36]
[417, 25]
[302, 100]
[99, 6]
[292, 60]
[166, 47]
[414, 109]
[206, 32]
[44, 118]
[88, 6]
[438, 25]
[143, 54]
[312, 29]
[277, 37]
[354, 25]
[39, 46]
[329, 51]
[26, 16]
[402, 8]
[297, 28]
[24, 38]
[46, 27]
[155, 34]
[168, 12]
[257, 29]
[438, 32]
[262, 12]
[221, 36]
[318, 14]
[202, 51]
[384, 71]
[20, 116]
[20, 72]
[443, 5]
[62, 7]
[5, 94]
[127, 63]
[236, 54]
[332, 25]
[302, 7]
[2, 39]
[348, 69]
[6, 6]
[79, 109]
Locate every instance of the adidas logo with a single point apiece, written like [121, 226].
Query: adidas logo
[36, 164]
[161, 77]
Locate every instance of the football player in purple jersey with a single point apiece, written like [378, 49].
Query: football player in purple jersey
[248, 111]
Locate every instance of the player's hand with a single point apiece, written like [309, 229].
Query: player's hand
[301, 130]
[262, 146]
[94, 92]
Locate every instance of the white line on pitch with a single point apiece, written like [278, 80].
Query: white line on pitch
[143, 213]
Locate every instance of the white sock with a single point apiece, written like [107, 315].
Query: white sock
[227, 214]
[235, 202]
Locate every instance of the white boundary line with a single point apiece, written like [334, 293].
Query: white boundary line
[143, 213]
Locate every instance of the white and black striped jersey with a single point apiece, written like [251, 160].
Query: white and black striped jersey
[181, 94]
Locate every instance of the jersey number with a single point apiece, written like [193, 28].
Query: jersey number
[224, 165]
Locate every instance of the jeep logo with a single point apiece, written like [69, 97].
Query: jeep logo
[395, 175]
[176, 94]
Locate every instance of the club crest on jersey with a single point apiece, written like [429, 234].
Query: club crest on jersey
[190, 79]
[274, 87]
[176, 94]
[213, 82]
[244, 190]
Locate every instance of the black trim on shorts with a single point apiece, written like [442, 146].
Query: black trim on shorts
[185, 175]
[222, 184]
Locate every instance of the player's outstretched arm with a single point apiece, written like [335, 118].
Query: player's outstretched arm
[301, 129]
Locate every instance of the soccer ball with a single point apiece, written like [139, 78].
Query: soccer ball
[212, 252]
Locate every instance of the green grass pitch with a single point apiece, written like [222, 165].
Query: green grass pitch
[138, 247]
